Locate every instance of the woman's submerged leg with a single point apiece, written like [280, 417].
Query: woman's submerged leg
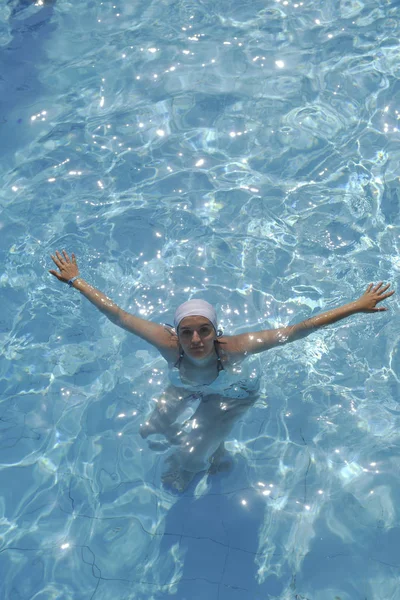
[164, 419]
[201, 441]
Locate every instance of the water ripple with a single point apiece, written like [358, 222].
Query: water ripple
[244, 152]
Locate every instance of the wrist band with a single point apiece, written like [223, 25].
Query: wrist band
[71, 281]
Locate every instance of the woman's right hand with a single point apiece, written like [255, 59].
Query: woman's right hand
[67, 266]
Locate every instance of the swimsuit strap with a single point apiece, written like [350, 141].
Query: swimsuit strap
[180, 358]
[220, 366]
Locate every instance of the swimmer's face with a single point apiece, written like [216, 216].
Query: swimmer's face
[196, 336]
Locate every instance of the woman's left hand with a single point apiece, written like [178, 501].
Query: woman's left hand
[374, 294]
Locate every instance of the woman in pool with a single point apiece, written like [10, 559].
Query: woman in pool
[206, 367]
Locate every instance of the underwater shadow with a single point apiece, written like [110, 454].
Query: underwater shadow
[216, 533]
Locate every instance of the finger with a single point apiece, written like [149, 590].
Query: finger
[378, 285]
[369, 288]
[56, 261]
[55, 274]
[66, 256]
[381, 291]
[73, 258]
[386, 295]
[60, 258]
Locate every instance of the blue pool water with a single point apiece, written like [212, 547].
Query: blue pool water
[243, 152]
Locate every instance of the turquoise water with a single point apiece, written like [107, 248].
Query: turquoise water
[243, 152]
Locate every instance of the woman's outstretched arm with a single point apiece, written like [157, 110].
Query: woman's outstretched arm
[154, 333]
[252, 343]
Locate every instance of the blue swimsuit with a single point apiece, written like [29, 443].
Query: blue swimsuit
[240, 382]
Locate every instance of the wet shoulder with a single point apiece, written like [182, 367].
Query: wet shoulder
[169, 345]
[230, 350]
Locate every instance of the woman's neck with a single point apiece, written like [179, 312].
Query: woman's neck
[203, 363]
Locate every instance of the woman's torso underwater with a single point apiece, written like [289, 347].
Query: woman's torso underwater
[237, 381]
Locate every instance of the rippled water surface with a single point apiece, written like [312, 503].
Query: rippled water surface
[247, 153]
